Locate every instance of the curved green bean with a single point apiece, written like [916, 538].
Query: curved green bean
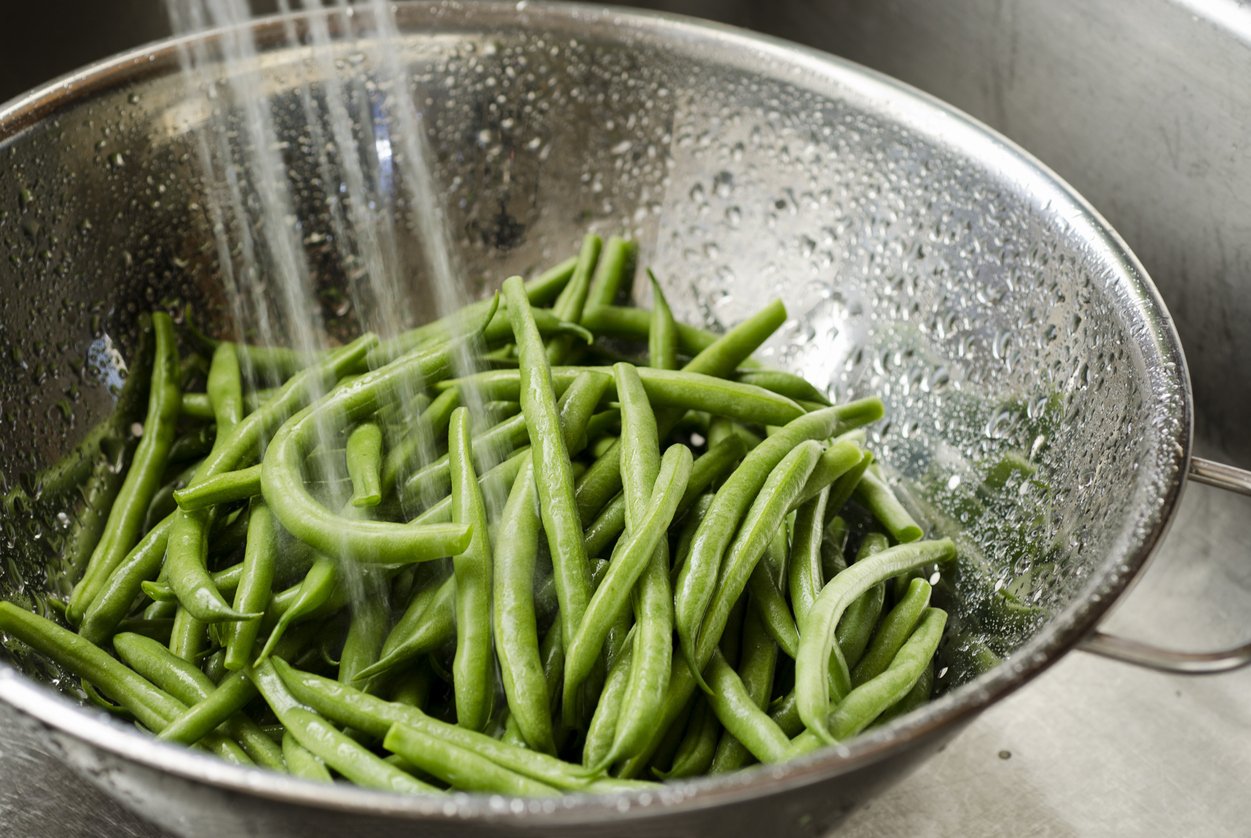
[812, 663]
[334, 535]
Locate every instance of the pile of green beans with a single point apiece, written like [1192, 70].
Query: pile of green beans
[611, 549]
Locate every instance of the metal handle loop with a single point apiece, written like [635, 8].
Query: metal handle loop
[1231, 479]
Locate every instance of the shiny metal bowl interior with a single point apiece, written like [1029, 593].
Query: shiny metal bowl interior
[920, 256]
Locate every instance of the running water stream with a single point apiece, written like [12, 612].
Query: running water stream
[363, 126]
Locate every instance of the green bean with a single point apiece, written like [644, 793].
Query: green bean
[163, 503]
[412, 687]
[709, 467]
[225, 387]
[221, 703]
[698, 746]
[513, 613]
[756, 668]
[314, 592]
[336, 749]
[687, 532]
[653, 597]
[774, 611]
[758, 493]
[541, 291]
[664, 388]
[122, 531]
[302, 762]
[837, 462]
[459, 767]
[413, 448]
[549, 325]
[553, 471]
[156, 628]
[496, 332]
[503, 438]
[652, 657]
[787, 384]
[741, 716]
[151, 660]
[292, 557]
[635, 323]
[614, 271]
[196, 406]
[429, 622]
[346, 539]
[185, 559]
[576, 407]
[812, 663]
[160, 609]
[253, 590]
[552, 657]
[572, 299]
[93, 501]
[367, 630]
[873, 492]
[193, 447]
[893, 631]
[916, 697]
[375, 716]
[151, 706]
[200, 406]
[629, 560]
[856, 627]
[189, 685]
[497, 480]
[244, 440]
[603, 479]
[805, 575]
[662, 335]
[226, 487]
[785, 713]
[187, 635]
[601, 732]
[185, 556]
[473, 668]
[364, 464]
[833, 544]
[113, 601]
[697, 582]
[95, 461]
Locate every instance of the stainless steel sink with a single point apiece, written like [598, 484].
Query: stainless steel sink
[1145, 108]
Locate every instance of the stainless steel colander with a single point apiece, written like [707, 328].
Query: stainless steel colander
[921, 257]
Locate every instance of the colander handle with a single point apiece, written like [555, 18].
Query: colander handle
[1229, 478]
